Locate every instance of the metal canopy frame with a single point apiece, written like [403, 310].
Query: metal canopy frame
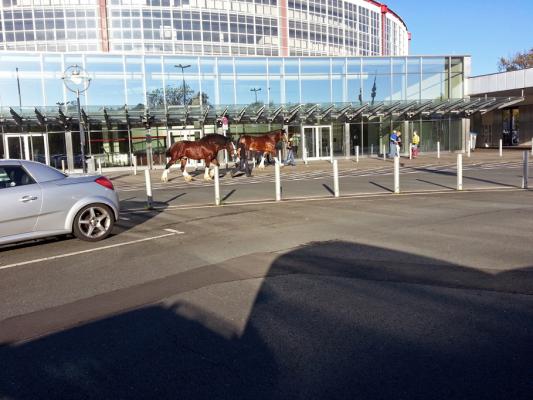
[307, 113]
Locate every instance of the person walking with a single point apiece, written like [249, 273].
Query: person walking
[243, 164]
[290, 151]
[414, 145]
[393, 142]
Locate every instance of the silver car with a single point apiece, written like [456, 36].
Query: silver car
[38, 201]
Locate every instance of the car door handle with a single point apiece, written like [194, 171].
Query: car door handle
[25, 199]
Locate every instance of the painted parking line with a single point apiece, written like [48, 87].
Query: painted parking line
[171, 232]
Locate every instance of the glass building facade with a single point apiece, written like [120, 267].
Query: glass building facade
[204, 27]
[330, 104]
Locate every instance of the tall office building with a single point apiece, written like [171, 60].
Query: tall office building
[204, 27]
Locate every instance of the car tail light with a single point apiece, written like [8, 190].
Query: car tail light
[105, 182]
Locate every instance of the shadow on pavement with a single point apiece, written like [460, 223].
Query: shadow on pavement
[331, 320]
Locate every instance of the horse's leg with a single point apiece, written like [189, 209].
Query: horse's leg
[186, 176]
[262, 163]
[206, 171]
[214, 161]
[164, 177]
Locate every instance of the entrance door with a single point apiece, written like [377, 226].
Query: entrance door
[32, 147]
[317, 141]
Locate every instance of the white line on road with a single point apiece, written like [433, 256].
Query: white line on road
[172, 233]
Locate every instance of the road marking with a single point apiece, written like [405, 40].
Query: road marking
[174, 231]
[171, 233]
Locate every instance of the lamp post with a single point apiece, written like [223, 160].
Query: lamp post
[255, 90]
[18, 88]
[77, 81]
[183, 67]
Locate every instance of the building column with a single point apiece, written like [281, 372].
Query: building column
[70, 151]
[347, 150]
[465, 129]
[407, 138]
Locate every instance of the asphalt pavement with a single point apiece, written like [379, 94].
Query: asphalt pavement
[426, 294]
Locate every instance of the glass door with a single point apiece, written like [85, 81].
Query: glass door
[27, 147]
[15, 147]
[310, 150]
[317, 142]
[324, 140]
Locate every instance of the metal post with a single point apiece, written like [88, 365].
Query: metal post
[384, 153]
[63, 165]
[357, 154]
[525, 171]
[100, 166]
[501, 148]
[438, 149]
[468, 143]
[459, 172]
[18, 88]
[217, 187]
[134, 159]
[279, 157]
[410, 151]
[335, 178]
[278, 182]
[397, 174]
[371, 150]
[82, 134]
[148, 180]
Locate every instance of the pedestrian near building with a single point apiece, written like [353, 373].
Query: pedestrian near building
[414, 145]
[290, 151]
[243, 164]
[395, 142]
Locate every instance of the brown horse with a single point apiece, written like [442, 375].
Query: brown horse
[265, 144]
[205, 149]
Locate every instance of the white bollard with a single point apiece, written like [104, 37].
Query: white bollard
[371, 150]
[63, 165]
[384, 153]
[134, 165]
[459, 172]
[438, 149]
[148, 179]
[501, 148]
[279, 157]
[357, 154]
[397, 174]
[410, 151]
[100, 166]
[278, 182]
[217, 187]
[468, 148]
[335, 178]
[525, 171]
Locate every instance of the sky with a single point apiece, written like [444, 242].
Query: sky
[485, 30]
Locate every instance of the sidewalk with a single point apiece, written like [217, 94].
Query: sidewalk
[125, 175]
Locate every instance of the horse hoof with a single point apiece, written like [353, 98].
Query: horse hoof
[188, 178]
[208, 178]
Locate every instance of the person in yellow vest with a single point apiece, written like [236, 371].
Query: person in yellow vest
[414, 145]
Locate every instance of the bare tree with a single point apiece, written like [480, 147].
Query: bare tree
[516, 62]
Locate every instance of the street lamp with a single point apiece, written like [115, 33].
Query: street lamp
[77, 80]
[255, 91]
[183, 77]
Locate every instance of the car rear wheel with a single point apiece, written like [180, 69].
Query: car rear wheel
[94, 222]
